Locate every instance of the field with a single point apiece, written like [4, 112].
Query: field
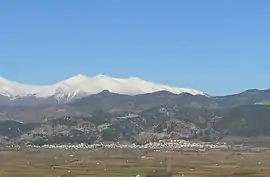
[127, 162]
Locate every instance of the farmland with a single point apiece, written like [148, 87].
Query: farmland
[30, 162]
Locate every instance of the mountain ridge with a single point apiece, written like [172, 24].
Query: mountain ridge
[80, 85]
[108, 116]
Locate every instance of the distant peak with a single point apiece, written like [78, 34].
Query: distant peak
[78, 84]
[79, 76]
[252, 90]
[101, 75]
[135, 78]
[105, 91]
[76, 78]
[3, 79]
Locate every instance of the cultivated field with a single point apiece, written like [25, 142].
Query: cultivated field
[124, 162]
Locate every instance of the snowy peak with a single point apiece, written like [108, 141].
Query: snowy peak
[81, 85]
[76, 79]
[101, 75]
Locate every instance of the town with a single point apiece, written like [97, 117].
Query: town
[172, 144]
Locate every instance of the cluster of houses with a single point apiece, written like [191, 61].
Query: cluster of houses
[172, 144]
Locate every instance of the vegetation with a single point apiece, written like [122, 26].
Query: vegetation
[160, 115]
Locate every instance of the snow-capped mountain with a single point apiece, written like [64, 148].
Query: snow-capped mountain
[80, 86]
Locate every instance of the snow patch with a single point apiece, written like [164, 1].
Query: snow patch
[80, 85]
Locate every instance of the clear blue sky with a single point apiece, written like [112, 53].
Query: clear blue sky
[218, 46]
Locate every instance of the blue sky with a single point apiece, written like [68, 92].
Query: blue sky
[219, 47]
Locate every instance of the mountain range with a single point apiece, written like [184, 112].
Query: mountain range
[79, 86]
[133, 110]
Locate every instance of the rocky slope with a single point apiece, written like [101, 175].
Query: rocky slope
[140, 118]
[162, 122]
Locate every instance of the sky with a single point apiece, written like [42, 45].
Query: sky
[219, 47]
